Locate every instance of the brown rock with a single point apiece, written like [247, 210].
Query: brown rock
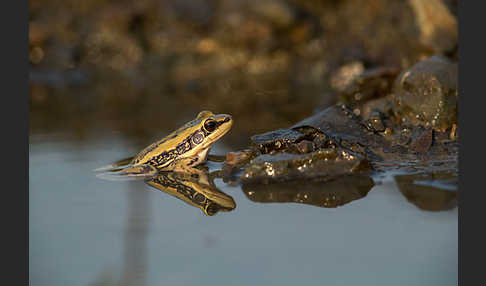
[427, 94]
[421, 143]
[235, 158]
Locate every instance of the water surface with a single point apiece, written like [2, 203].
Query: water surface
[88, 231]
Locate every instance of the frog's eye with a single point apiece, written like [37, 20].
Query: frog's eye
[210, 125]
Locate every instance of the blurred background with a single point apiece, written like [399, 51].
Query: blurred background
[136, 66]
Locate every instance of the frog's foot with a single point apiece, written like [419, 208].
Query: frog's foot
[116, 165]
[129, 173]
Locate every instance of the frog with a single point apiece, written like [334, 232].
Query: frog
[181, 150]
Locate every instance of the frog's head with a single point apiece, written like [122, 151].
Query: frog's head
[212, 128]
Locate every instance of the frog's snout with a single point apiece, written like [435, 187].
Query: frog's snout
[227, 118]
[223, 118]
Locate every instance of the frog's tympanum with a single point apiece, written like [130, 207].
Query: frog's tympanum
[183, 149]
[195, 188]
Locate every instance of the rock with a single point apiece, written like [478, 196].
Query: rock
[276, 140]
[427, 94]
[421, 143]
[370, 84]
[375, 122]
[437, 25]
[327, 163]
[277, 12]
[305, 146]
[340, 123]
[237, 158]
[345, 75]
[382, 104]
[327, 194]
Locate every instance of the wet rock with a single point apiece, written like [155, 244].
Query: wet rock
[370, 84]
[321, 141]
[305, 146]
[339, 122]
[238, 158]
[335, 141]
[327, 163]
[404, 137]
[327, 194]
[383, 105]
[430, 191]
[375, 122]
[276, 140]
[422, 142]
[427, 94]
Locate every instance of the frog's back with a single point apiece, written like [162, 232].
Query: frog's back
[166, 150]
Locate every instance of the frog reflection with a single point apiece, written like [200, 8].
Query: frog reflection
[322, 193]
[196, 188]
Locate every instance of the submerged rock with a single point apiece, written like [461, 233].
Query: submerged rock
[427, 94]
[328, 194]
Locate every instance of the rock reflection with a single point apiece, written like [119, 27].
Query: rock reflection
[430, 191]
[321, 193]
[195, 188]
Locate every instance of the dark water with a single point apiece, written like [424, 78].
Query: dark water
[88, 231]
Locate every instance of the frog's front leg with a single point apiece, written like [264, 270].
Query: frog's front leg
[184, 165]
